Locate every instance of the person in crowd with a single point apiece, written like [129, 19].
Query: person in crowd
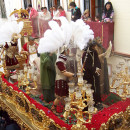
[33, 15]
[61, 11]
[91, 69]
[12, 127]
[108, 13]
[30, 49]
[61, 86]
[75, 11]
[45, 15]
[51, 11]
[48, 74]
[97, 19]
[85, 15]
[55, 12]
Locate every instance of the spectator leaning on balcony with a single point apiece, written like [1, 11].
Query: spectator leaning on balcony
[108, 13]
[44, 14]
[75, 12]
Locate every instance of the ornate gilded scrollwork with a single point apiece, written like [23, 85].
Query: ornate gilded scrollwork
[75, 127]
[19, 101]
[36, 115]
[26, 107]
[0, 87]
[7, 91]
[41, 121]
[117, 121]
[11, 114]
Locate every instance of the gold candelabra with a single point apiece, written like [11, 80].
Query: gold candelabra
[80, 97]
[121, 80]
[25, 76]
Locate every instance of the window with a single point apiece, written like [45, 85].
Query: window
[99, 6]
[26, 3]
[95, 7]
[86, 4]
[2, 9]
[53, 2]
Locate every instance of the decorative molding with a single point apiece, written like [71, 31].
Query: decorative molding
[12, 115]
[122, 54]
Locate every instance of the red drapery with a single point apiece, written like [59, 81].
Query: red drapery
[103, 30]
[43, 26]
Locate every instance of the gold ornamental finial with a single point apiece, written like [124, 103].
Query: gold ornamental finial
[20, 12]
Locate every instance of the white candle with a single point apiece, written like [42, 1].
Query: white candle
[67, 106]
[78, 94]
[90, 109]
[71, 89]
[35, 78]
[25, 69]
[21, 75]
[84, 88]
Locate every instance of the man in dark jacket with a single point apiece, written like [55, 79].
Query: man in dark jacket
[75, 12]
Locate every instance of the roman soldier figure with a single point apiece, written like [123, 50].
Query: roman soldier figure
[61, 86]
[11, 49]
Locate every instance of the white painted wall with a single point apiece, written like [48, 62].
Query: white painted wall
[11, 5]
[122, 26]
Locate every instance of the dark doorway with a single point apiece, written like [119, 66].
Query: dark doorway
[99, 6]
[26, 3]
[53, 2]
[87, 4]
[95, 7]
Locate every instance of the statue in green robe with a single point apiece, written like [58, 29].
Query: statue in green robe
[48, 74]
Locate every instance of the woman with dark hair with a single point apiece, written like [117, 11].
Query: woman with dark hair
[75, 12]
[108, 12]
